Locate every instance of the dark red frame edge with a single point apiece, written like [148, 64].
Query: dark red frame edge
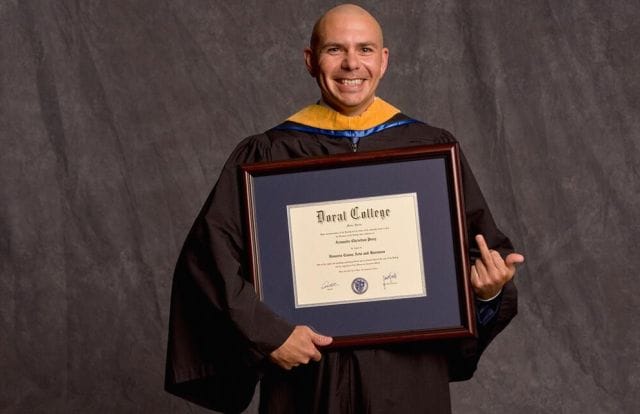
[468, 328]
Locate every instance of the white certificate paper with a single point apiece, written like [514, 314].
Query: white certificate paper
[356, 250]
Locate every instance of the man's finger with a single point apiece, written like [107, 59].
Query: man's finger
[484, 250]
[475, 278]
[498, 261]
[513, 259]
[320, 340]
[474, 272]
[481, 270]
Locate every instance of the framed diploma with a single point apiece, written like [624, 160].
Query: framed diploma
[366, 247]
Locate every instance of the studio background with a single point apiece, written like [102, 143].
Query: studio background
[116, 117]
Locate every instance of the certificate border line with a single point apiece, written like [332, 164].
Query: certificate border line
[413, 196]
[419, 234]
[351, 200]
[346, 302]
[293, 264]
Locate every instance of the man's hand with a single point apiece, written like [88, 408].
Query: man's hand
[300, 348]
[490, 272]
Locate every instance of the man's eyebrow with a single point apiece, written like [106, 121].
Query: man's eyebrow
[330, 44]
[359, 45]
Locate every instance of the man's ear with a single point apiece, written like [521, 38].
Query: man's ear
[385, 61]
[309, 61]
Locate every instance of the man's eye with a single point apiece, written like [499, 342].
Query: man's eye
[333, 50]
[367, 50]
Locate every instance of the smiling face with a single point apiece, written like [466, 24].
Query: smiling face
[347, 58]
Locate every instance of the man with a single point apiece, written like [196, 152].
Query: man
[222, 338]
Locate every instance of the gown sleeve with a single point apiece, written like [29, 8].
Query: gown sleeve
[219, 330]
[464, 355]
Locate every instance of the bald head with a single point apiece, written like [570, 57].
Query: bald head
[340, 14]
[347, 58]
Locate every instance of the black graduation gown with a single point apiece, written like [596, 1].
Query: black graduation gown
[220, 334]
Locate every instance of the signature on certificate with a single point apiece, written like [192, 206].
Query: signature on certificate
[389, 279]
[328, 285]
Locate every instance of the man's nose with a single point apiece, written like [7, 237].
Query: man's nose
[351, 61]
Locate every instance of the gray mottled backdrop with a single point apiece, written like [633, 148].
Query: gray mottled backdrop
[116, 116]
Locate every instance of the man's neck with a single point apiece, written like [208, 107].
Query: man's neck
[323, 103]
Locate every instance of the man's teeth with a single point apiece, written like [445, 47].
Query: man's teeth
[351, 82]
